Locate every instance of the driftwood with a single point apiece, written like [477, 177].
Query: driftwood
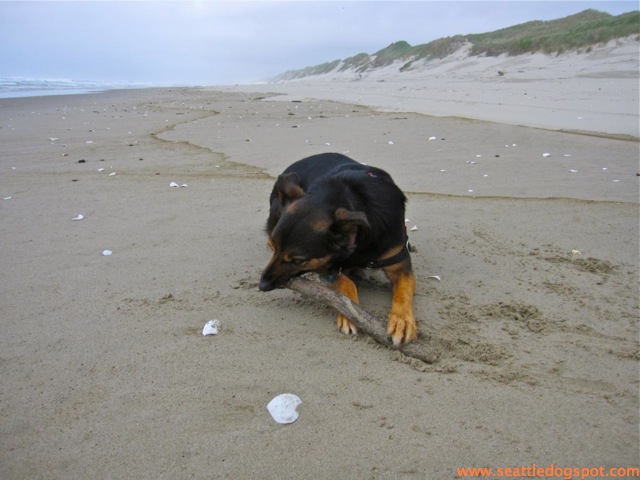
[363, 320]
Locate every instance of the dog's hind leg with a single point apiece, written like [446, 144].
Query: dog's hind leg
[345, 285]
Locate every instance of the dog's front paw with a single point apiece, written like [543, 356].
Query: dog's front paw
[401, 329]
[345, 326]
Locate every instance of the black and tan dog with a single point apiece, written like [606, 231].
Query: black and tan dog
[330, 214]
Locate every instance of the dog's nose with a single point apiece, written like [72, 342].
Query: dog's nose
[266, 285]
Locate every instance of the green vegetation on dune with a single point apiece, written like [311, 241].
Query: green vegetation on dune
[356, 62]
[582, 30]
[391, 54]
[573, 33]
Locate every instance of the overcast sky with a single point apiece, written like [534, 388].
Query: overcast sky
[225, 42]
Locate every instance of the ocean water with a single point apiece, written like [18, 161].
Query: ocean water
[13, 87]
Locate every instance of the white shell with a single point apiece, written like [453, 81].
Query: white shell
[546, 154]
[79, 217]
[173, 184]
[211, 327]
[283, 408]
[106, 253]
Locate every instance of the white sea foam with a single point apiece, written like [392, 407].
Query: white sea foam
[12, 87]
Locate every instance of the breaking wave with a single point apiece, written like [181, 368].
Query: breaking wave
[11, 87]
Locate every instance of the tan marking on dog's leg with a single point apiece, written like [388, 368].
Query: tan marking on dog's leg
[402, 324]
[345, 285]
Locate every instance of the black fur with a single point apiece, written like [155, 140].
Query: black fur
[332, 182]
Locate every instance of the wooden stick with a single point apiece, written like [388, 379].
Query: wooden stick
[363, 320]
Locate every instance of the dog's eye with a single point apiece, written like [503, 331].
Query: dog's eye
[298, 261]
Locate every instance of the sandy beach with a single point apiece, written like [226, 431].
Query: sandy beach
[529, 217]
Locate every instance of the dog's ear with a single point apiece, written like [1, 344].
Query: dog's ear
[288, 187]
[345, 227]
[350, 219]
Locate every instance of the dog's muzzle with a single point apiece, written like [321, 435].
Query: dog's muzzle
[266, 285]
[268, 282]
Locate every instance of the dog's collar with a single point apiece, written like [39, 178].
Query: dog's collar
[397, 258]
[331, 276]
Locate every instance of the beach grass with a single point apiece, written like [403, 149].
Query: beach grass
[575, 32]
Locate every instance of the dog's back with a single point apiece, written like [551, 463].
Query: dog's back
[316, 166]
[304, 172]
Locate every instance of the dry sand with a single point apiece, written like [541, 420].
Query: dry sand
[105, 373]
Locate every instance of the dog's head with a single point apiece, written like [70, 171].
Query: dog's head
[311, 235]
